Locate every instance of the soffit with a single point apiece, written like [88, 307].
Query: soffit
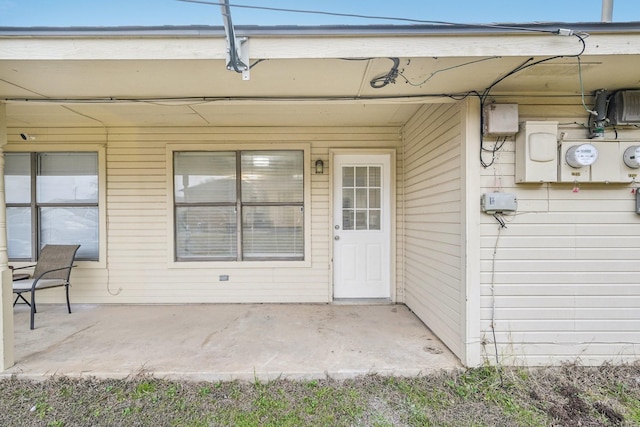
[316, 91]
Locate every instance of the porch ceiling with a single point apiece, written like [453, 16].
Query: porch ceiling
[281, 92]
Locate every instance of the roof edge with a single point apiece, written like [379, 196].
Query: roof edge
[323, 30]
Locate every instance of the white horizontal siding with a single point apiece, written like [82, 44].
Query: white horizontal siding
[432, 228]
[565, 279]
[138, 236]
[551, 353]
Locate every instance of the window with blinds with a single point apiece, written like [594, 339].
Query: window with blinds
[245, 205]
[55, 194]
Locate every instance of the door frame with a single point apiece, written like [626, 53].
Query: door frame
[391, 152]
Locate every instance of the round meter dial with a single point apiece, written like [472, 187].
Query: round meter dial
[579, 156]
[631, 157]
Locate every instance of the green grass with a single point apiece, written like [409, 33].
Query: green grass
[568, 395]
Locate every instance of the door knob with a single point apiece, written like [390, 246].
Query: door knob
[336, 238]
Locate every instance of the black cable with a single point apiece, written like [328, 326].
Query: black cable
[433, 74]
[236, 63]
[500, 220]
[257, 62]
[497, 146]
[526, 64]
[462, 96]
[207, 98]
[390, 77]
[387, 18]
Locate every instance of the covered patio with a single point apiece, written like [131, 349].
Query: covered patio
[408, 101]
[223, 342]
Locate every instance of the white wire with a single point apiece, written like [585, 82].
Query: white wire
[493, 294]
[595, 113]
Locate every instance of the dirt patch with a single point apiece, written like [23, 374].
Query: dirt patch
[614, 417]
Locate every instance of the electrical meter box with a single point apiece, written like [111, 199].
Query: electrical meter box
[500, 119]
[576, 160]
[498, 202]
[629, 152]
[591, 160]
[631, 156]
[537, 152]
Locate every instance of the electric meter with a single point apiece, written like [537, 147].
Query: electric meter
[579, 156]
[631, 157]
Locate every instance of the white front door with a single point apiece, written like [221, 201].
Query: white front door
[362, 226]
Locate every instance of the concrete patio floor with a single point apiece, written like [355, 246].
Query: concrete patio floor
[221, 342]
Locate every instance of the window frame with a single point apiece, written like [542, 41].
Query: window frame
[175, 262]
[32, 150]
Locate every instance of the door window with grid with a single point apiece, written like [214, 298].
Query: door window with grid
[361, 187]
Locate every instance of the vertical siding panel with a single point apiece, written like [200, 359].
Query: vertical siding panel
[432, 228]
[400, 226]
